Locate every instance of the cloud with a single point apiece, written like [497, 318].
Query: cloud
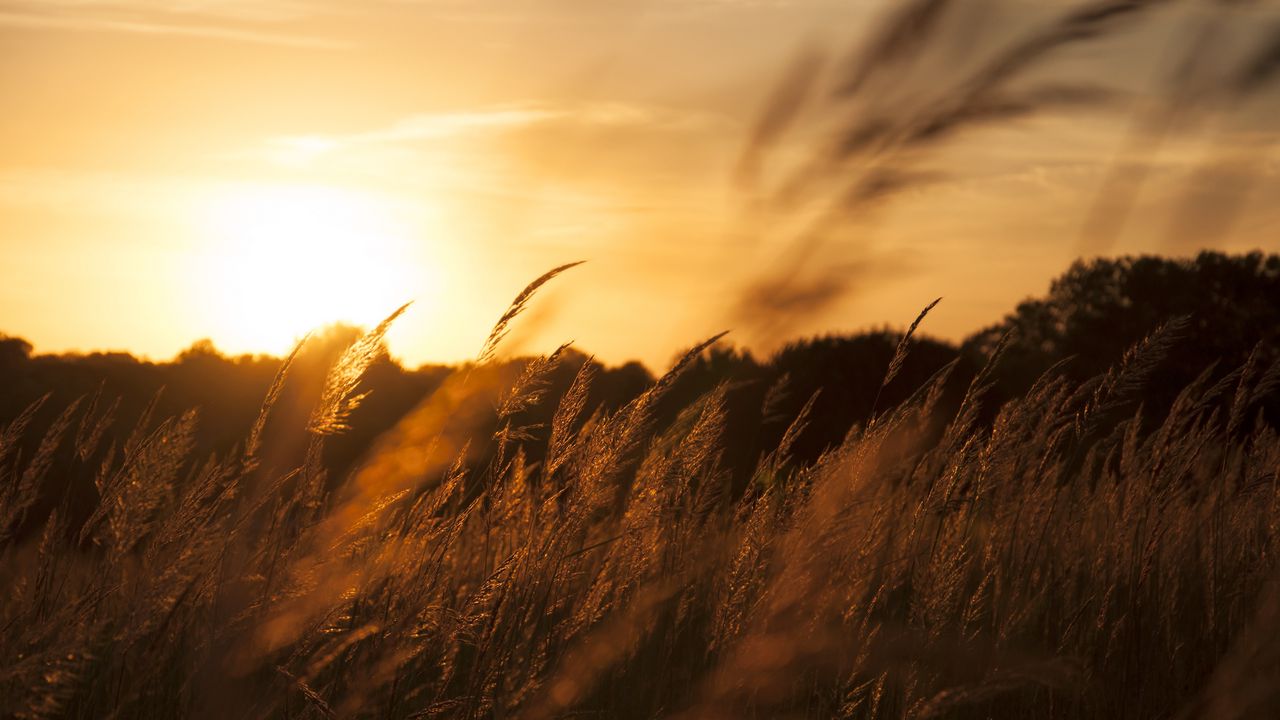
[430, 126]
[237, 10]
[423, 127]
[240, 22]
[275, 22]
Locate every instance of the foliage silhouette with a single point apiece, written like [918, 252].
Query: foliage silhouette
[1097, 309]
[737, 537]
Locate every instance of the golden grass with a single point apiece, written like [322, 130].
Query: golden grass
[1061, 556]
[1062, 561]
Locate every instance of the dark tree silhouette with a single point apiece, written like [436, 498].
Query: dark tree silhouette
[1091, 315]
[1098, 309]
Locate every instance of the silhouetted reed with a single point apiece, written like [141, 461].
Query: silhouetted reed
[1060, 559]
[877, 124]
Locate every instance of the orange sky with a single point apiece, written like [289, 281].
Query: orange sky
[244, 170]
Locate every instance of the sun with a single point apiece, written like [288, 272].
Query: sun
[281, 260]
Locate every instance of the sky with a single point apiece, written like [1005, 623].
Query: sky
[248, 170]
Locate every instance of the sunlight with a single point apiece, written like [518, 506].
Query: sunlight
[281, 260]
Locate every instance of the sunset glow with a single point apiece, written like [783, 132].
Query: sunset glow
[246, 171]
[637, 359]
[279, 261]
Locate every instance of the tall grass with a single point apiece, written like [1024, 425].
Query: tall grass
[1069, 559]
[842, 137]
[1064, 555]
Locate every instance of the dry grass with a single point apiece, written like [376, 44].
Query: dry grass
[1070, 558]
[1062, 561]
[884, 120]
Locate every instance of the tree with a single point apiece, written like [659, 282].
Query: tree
[1098, 309]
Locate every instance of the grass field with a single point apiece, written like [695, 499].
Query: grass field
[1064, 560]
[1082, 548]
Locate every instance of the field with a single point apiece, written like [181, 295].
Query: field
[1066, 556]
[1074, 513]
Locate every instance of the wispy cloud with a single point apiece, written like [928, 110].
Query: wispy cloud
[425, 127]
[238, 10]
[241, 22]
[428, 126]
